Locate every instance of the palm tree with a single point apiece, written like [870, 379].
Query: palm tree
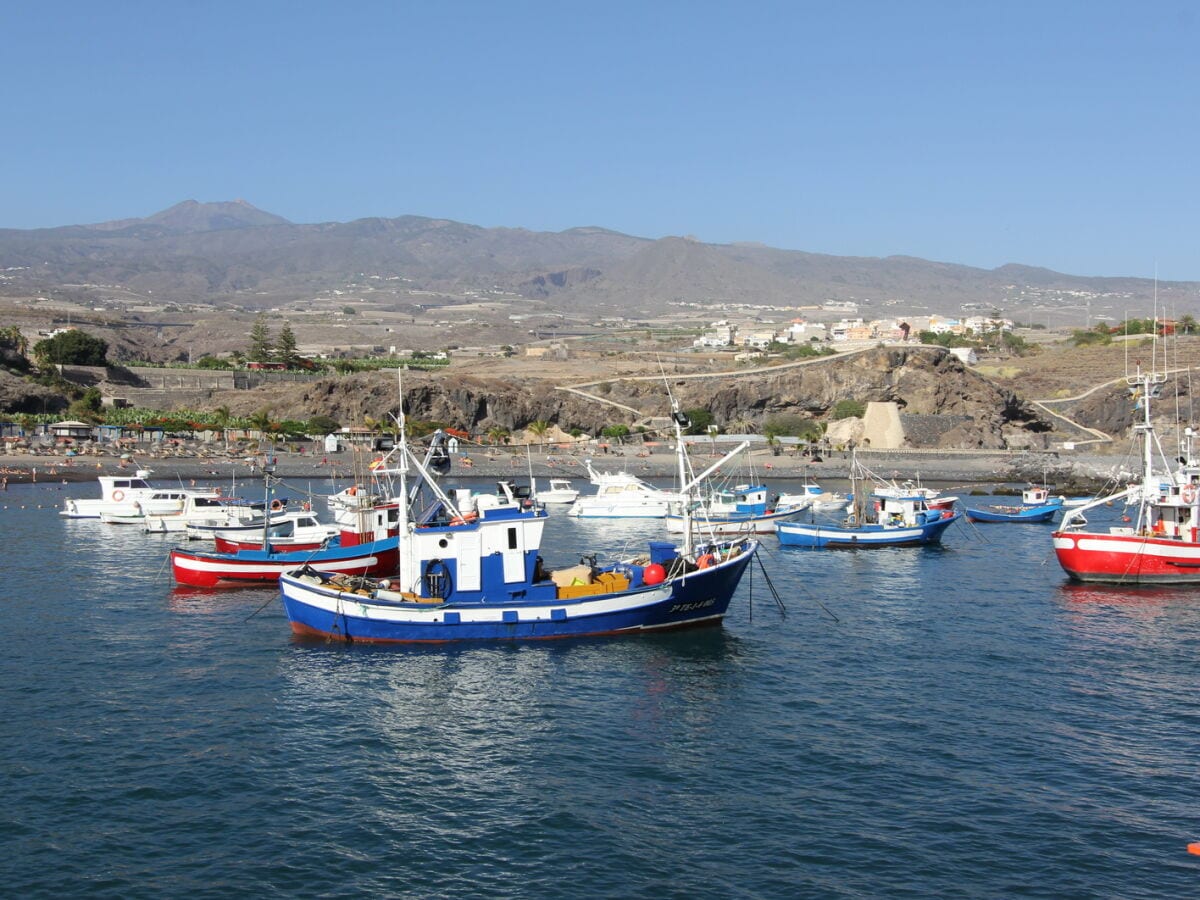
[539, 430]
[498, 434]
[222, 418]
[261, 422]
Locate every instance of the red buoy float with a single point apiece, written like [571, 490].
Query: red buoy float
[654, 574]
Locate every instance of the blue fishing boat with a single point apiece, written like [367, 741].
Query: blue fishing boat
[889, 519]
[1037, 505]
[470, 569]
[1014, 513]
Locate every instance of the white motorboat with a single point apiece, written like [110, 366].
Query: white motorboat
[560, 491]
[622, 495]
[118, 494]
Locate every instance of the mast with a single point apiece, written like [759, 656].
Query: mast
[268, 467]
[679, 419]
[403, 467]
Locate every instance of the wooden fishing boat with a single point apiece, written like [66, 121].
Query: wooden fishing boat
[470, 568]
[1160, 545]
[888, 519]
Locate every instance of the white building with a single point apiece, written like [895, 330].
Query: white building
[722, 335]
[758, 340]
[984, 324]
[803, 332]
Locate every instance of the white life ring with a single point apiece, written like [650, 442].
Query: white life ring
[118, 495]
[1188, 493]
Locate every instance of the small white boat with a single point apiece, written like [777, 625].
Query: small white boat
[210, 531]
[621, 495]
[560, 491]
[118, 493]
[205, 509]
[809, 493]
[829, 503]
[159, 503]
[297, 531]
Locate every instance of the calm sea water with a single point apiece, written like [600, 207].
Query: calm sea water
[970, 725]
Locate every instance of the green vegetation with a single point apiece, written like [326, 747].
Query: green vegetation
[261, 346]
[13, 350]
[71, 348]
[798, 351]
[87, 408]
[792, 425]
[847, 409]
[1099, 335]
[616, 432]
[947, 339]
[285, 348]
[701, 420]
[418, 428]
[322, 425]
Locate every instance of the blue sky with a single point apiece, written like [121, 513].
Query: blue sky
[1059, 134]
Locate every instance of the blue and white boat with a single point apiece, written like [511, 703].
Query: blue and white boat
[1014, 513]
[889, 519]
[470, 569]
[1037, 505]
[742, 509]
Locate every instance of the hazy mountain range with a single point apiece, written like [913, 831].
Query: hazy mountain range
[231, 252]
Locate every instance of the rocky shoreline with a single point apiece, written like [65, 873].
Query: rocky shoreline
[1084, 473]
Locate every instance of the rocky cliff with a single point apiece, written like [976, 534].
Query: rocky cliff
[943, 403]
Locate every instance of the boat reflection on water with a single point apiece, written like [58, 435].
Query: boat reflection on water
[208, 601]
[1151, 596]
[462, 692]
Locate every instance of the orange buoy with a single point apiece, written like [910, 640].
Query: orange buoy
[1194, 848]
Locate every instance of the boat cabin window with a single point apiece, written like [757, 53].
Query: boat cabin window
[512, 539]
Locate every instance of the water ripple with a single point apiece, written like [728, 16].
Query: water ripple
[971, 725]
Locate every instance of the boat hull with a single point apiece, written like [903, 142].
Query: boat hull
[1024, 514]
[733, 524]
[253, 567]
[1126, 558]
[816, 536]
[699, 598]
[582, 509]
[227, 545]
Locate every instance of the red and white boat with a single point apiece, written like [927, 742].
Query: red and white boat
[368, 548]
[1159, 544]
